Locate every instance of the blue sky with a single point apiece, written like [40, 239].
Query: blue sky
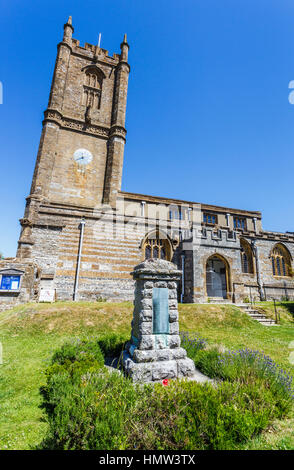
[208, 115]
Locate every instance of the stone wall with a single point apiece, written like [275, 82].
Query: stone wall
[240, 285]
[112, 246]
[275, 286]
[64, 192]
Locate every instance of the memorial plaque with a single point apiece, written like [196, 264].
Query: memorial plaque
[160, 310]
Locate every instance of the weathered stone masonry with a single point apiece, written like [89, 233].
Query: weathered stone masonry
[223, 253]
[154, 353]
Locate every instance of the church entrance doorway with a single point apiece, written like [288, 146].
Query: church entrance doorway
[216, 277]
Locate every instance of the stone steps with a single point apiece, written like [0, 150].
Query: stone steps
[247, 308]
[218, 300]
[257, 315]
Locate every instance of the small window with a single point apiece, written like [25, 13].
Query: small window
[175, 213]
[184, 213]
[209, 219]
[10, 282]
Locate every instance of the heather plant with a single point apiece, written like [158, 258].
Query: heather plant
[78, 350]
[188, 415]
[89, 407]
[205, 360]
[246, 365]
[89, 411]
[192, 342]
[86, 405]
[243, 365]
[112, 344]
[208, 361]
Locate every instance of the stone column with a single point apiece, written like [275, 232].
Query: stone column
[154, 353]
[228, 219]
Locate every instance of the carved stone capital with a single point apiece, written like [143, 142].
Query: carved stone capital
[118, 131]
[25, 222]
[124, 66]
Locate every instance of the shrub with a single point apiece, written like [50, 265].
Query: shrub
[188, 415]
[68, 364]
[78, 350]
[205, 360]
[86, 405]
[243, 365]
[89, 413]
[112, 344]
[192, 342]
[208, 362]
[89, 407]
[247, 366]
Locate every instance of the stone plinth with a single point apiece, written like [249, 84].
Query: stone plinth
[154, 352]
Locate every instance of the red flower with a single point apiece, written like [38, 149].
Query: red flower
[165, 382]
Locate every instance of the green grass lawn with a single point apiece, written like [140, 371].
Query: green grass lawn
[30, 333]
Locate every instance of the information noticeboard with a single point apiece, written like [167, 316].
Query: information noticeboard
[10, 282]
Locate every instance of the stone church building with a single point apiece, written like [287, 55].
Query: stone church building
[81, 236]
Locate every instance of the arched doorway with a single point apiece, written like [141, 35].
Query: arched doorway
[217, 277]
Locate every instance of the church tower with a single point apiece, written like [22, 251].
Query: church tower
[80, 156]
[81, 236]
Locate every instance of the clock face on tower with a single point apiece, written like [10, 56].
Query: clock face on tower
[82, 156]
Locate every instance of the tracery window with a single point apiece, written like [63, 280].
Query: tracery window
[246, 257]
[281, 261]
[156, 247]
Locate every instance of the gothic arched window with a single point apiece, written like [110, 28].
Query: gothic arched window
[281, 261]
[246, 257]
[156, 246]
[93, 87]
